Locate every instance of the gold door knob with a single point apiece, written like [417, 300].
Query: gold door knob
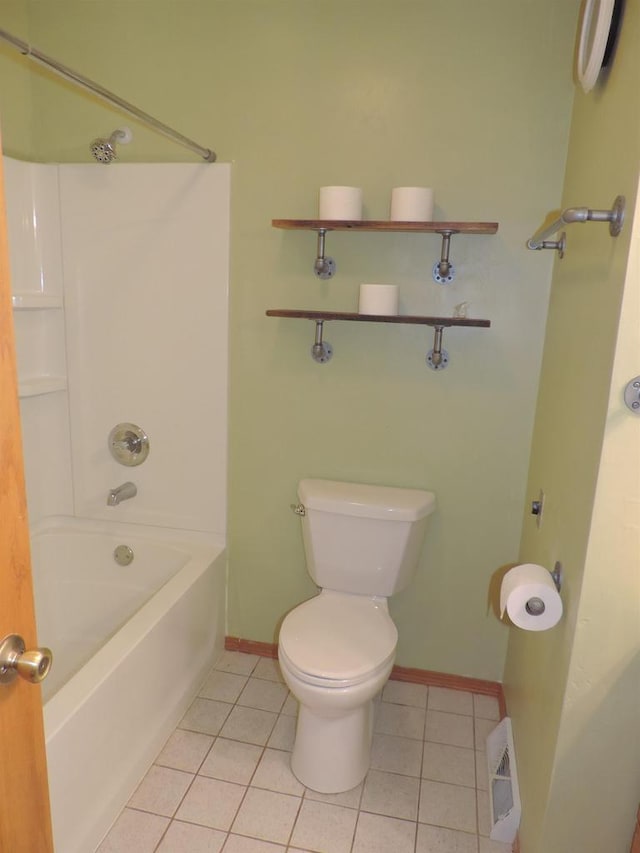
[32, 665]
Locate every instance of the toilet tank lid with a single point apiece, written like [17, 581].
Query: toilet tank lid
[366, 501]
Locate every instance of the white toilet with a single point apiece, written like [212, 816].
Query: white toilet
[337, 650]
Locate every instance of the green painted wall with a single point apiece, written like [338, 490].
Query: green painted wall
[15, 89]
[471, 98]
[574, 692]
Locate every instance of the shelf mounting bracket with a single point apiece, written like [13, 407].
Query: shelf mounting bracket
[443, 270]
[321, 351]
[438, 357]
[324, 266]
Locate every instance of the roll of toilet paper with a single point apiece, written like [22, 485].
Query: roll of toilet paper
[378, 299]
[411, 204]
[529, 595]
[340, 203]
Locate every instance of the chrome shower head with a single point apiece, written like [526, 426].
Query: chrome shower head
[104, 150]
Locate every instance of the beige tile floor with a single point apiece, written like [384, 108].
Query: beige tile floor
[222, 782]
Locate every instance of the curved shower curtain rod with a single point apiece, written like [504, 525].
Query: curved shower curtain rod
[84, 82]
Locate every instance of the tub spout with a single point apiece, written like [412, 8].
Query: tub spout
[121, 493]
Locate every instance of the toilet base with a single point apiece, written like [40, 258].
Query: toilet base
[332, 753]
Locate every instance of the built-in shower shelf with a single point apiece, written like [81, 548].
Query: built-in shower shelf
[37, 385]
[35, 301]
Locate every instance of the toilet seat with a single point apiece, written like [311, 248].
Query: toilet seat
[338, 640]
[331, 683]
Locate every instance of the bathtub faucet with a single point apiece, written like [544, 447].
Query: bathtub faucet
[121, 493]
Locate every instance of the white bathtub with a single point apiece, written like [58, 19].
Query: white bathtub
[131, 646]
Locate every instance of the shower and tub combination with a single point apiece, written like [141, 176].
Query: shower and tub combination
[131, 643]
[129, 561]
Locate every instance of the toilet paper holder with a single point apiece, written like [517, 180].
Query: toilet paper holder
[536, 606]
[556, 574]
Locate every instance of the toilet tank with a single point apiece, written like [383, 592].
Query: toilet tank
[363, 539]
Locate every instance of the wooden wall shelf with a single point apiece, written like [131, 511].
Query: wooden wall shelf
[324, 267]
[385, 225]
[321, 351]
[443, 271]
[377, 318]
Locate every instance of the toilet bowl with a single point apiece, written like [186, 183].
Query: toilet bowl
[337, 650]
[336, 653]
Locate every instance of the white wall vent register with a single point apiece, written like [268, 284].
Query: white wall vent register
[504, 793]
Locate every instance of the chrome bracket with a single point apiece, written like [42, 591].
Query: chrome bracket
[537, 508]
[556, 574]
[616, 215]
[559, 245]
[324, 266]
[443, 270]
[321, 351]
[438, 357]
[632, 395]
